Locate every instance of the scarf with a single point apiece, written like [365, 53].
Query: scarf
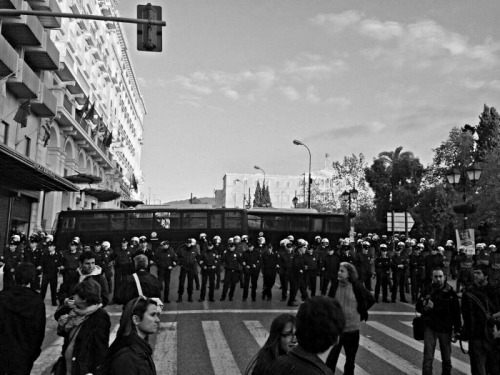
[76, 317]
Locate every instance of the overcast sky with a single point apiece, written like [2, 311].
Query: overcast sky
[237, 81]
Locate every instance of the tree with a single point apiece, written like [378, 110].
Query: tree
[257, 201]
[266, 197]
[488, 132]
[395, 178]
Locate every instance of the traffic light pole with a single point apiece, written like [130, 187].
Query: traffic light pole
[40, 13]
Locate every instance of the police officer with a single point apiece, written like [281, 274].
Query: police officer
[33, 254]
[285, 267]
[70, 260]
[231, 261]
[165, 259]
[383, 271]
[208, 263]
[219, 251]
[297, 279]
[187, 255]
[10, 260]
[417, 271]
[122, 260]
[51, 265]
[345, 252]
[311, 262]
[269, 266]
[250, 261]
[144, 250]
[108, 265]
[465, 263]
[329, 264]
[494, 277]
[399, 264]
[362, 262]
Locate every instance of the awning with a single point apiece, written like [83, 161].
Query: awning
[21, 173]
[102, 195]
[84, 178]
[131, 202]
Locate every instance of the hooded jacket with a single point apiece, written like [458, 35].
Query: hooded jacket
[97, 275]
[22, 326]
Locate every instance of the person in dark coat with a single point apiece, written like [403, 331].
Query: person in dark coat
[85, 326]
[10, 259]
[208, 263]
[33, 254]
[166, 260]
[231, 261]
[250, 261]
[71, 260]
[297, 281]
[52, 263]
[122, 262]
[187, 255]
[269, 266]
[22, 323]
[329, 264]
[320, 321]
[87, 270]
[149, 283]
[130, 353]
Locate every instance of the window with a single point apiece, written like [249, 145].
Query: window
[273, 223]
[67, 224]
[117, 221]
[299, 223]
[167, 220]
[335, 224]
[140, 221]
[232, 220]
[215, 221]
[317, 224]
[4, 132]
[195, 220]
[253, 221]
[234, 182]
[93, 223]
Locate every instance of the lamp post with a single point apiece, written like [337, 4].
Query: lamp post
[348, 197]
[299, 143]
[458, 178]
[260, 169]
[244, 192]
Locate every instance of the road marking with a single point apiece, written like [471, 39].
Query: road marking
[258, 311]
[221, 356]
[48, 356]
[457, 364]
[465, 344]
[260, 335]
[388, 356]
[112, 334]
[165, 354]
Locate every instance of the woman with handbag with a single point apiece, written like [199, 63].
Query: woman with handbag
[85, 326]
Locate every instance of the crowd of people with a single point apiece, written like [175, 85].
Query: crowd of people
[343, 271]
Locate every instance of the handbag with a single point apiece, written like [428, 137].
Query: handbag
[418, 328]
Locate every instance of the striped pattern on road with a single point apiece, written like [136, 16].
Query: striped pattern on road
[165, 354]
[221, 356]
[465, 344]
[257, 311]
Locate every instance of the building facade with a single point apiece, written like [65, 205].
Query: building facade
[70, 106]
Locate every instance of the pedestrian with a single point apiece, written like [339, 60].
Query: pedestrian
[297, 279]
[269, 267]
[399, 263]
[85, 326]
[10, 260]
[280, 341]
[52, 264]
[208, 263]
[22, 318]
[130, 353]
[440, 309]
[480, 306]
[87, 270]
[250, 261]
[139, 283]
[187, 256]
[320, 322]
[231, 261]
[165, 259]
[122, 263]
[355, 300]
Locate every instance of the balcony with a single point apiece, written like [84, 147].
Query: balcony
[48, 6]
[8, 58]
[23, 31]
[46, 104]
[25, 84]
[10, 4]
[45, 57]
[66, 74]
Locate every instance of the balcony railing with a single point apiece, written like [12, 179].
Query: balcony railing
[26, 84]
[45, 57]
[8, 58]
[23, 30]
[47, 5]
[46, 104]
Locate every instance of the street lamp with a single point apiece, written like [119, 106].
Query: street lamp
[244, 192]
[458, 178]
[260, 169]
[348, 197]
[299, 143]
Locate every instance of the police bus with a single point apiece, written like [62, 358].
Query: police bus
[177, 224]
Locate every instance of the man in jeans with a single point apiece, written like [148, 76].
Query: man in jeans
[439, 306]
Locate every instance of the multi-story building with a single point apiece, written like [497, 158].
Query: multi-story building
[83, 114]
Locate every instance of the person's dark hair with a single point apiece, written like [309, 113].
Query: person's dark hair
[271, 349]
[25, 273]
[87, 255]
[438, 269]
[483, 268]
[138, 306]
[89, 290]
[320, 321]
[351, 270]
[140, 262]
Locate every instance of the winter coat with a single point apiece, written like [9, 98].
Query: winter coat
[22, 326]
[364, 298]
[445, 314]
[136, 358]
[298, 362]
[91, 342]
[149, 283]
[165, 258]
[66, 288]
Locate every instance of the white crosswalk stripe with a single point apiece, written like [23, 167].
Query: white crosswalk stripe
[457, 364]
[48, 356]
[165, 354]
[457, 344]
[260, 334]
[221, 356]
[112, 334]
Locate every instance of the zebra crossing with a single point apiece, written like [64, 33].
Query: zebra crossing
[386, 346]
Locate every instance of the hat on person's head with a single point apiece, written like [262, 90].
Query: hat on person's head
[34, 238]
[124, 240]
[165, 243]
[383, 247]
[49, 237]
[76, 239]
[202, 235]
[16, 238]
[143, 239]
[136, 239]
[73, 243]
[106, 244]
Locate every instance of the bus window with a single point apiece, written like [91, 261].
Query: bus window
[194, 220]
[273, 223]
[216, 221]
[335, 225]
[232, 220]
[167, 220]
[98, 222]
[299, 223]
[117, 221]
[140, 221]
[253, 221]
[68, 224]
[317, 224]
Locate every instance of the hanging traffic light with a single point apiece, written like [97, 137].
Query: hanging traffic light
[148, 35]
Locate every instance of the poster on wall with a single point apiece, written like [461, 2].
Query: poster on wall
[465, 237]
